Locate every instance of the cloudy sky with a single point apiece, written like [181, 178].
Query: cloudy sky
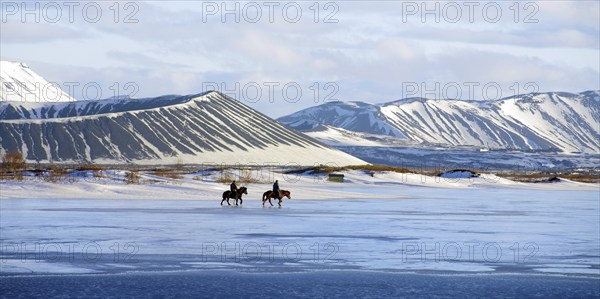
[280, 57]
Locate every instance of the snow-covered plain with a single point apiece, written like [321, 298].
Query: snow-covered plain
[389, 222]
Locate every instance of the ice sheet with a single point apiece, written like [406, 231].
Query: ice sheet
[410, 228]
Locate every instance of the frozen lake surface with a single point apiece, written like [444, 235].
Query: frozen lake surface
[427, 237]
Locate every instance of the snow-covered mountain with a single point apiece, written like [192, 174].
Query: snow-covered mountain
[18, 83]
[555, 121]
[204, 128]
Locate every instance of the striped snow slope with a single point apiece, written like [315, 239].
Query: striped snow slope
[204, 128]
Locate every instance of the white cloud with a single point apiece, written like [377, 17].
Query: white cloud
[36, 33]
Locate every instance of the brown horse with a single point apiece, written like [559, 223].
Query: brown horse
[270, 195]
[238, 195]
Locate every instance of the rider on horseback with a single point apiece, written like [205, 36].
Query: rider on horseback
[276, 189]
[275, 193]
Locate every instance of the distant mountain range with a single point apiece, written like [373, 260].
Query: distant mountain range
[203, 128]
[214, 128]
[549, 122]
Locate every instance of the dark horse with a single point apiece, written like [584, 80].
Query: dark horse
[270, 194]
[238, 195]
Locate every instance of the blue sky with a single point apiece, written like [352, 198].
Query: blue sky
[373, 51]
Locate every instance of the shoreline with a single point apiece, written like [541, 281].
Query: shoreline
[357, 185]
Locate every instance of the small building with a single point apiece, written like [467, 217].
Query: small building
[336, 177]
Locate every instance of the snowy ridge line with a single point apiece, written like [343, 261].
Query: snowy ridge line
[82, 109]
[560, 122]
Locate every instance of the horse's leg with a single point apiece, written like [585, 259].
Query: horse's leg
[222, 200]
[280, 202]
[270, 201]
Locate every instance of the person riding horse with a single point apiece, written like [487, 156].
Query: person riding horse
[237, 195]
[276, 189]
[275, 193]
[234, 193]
